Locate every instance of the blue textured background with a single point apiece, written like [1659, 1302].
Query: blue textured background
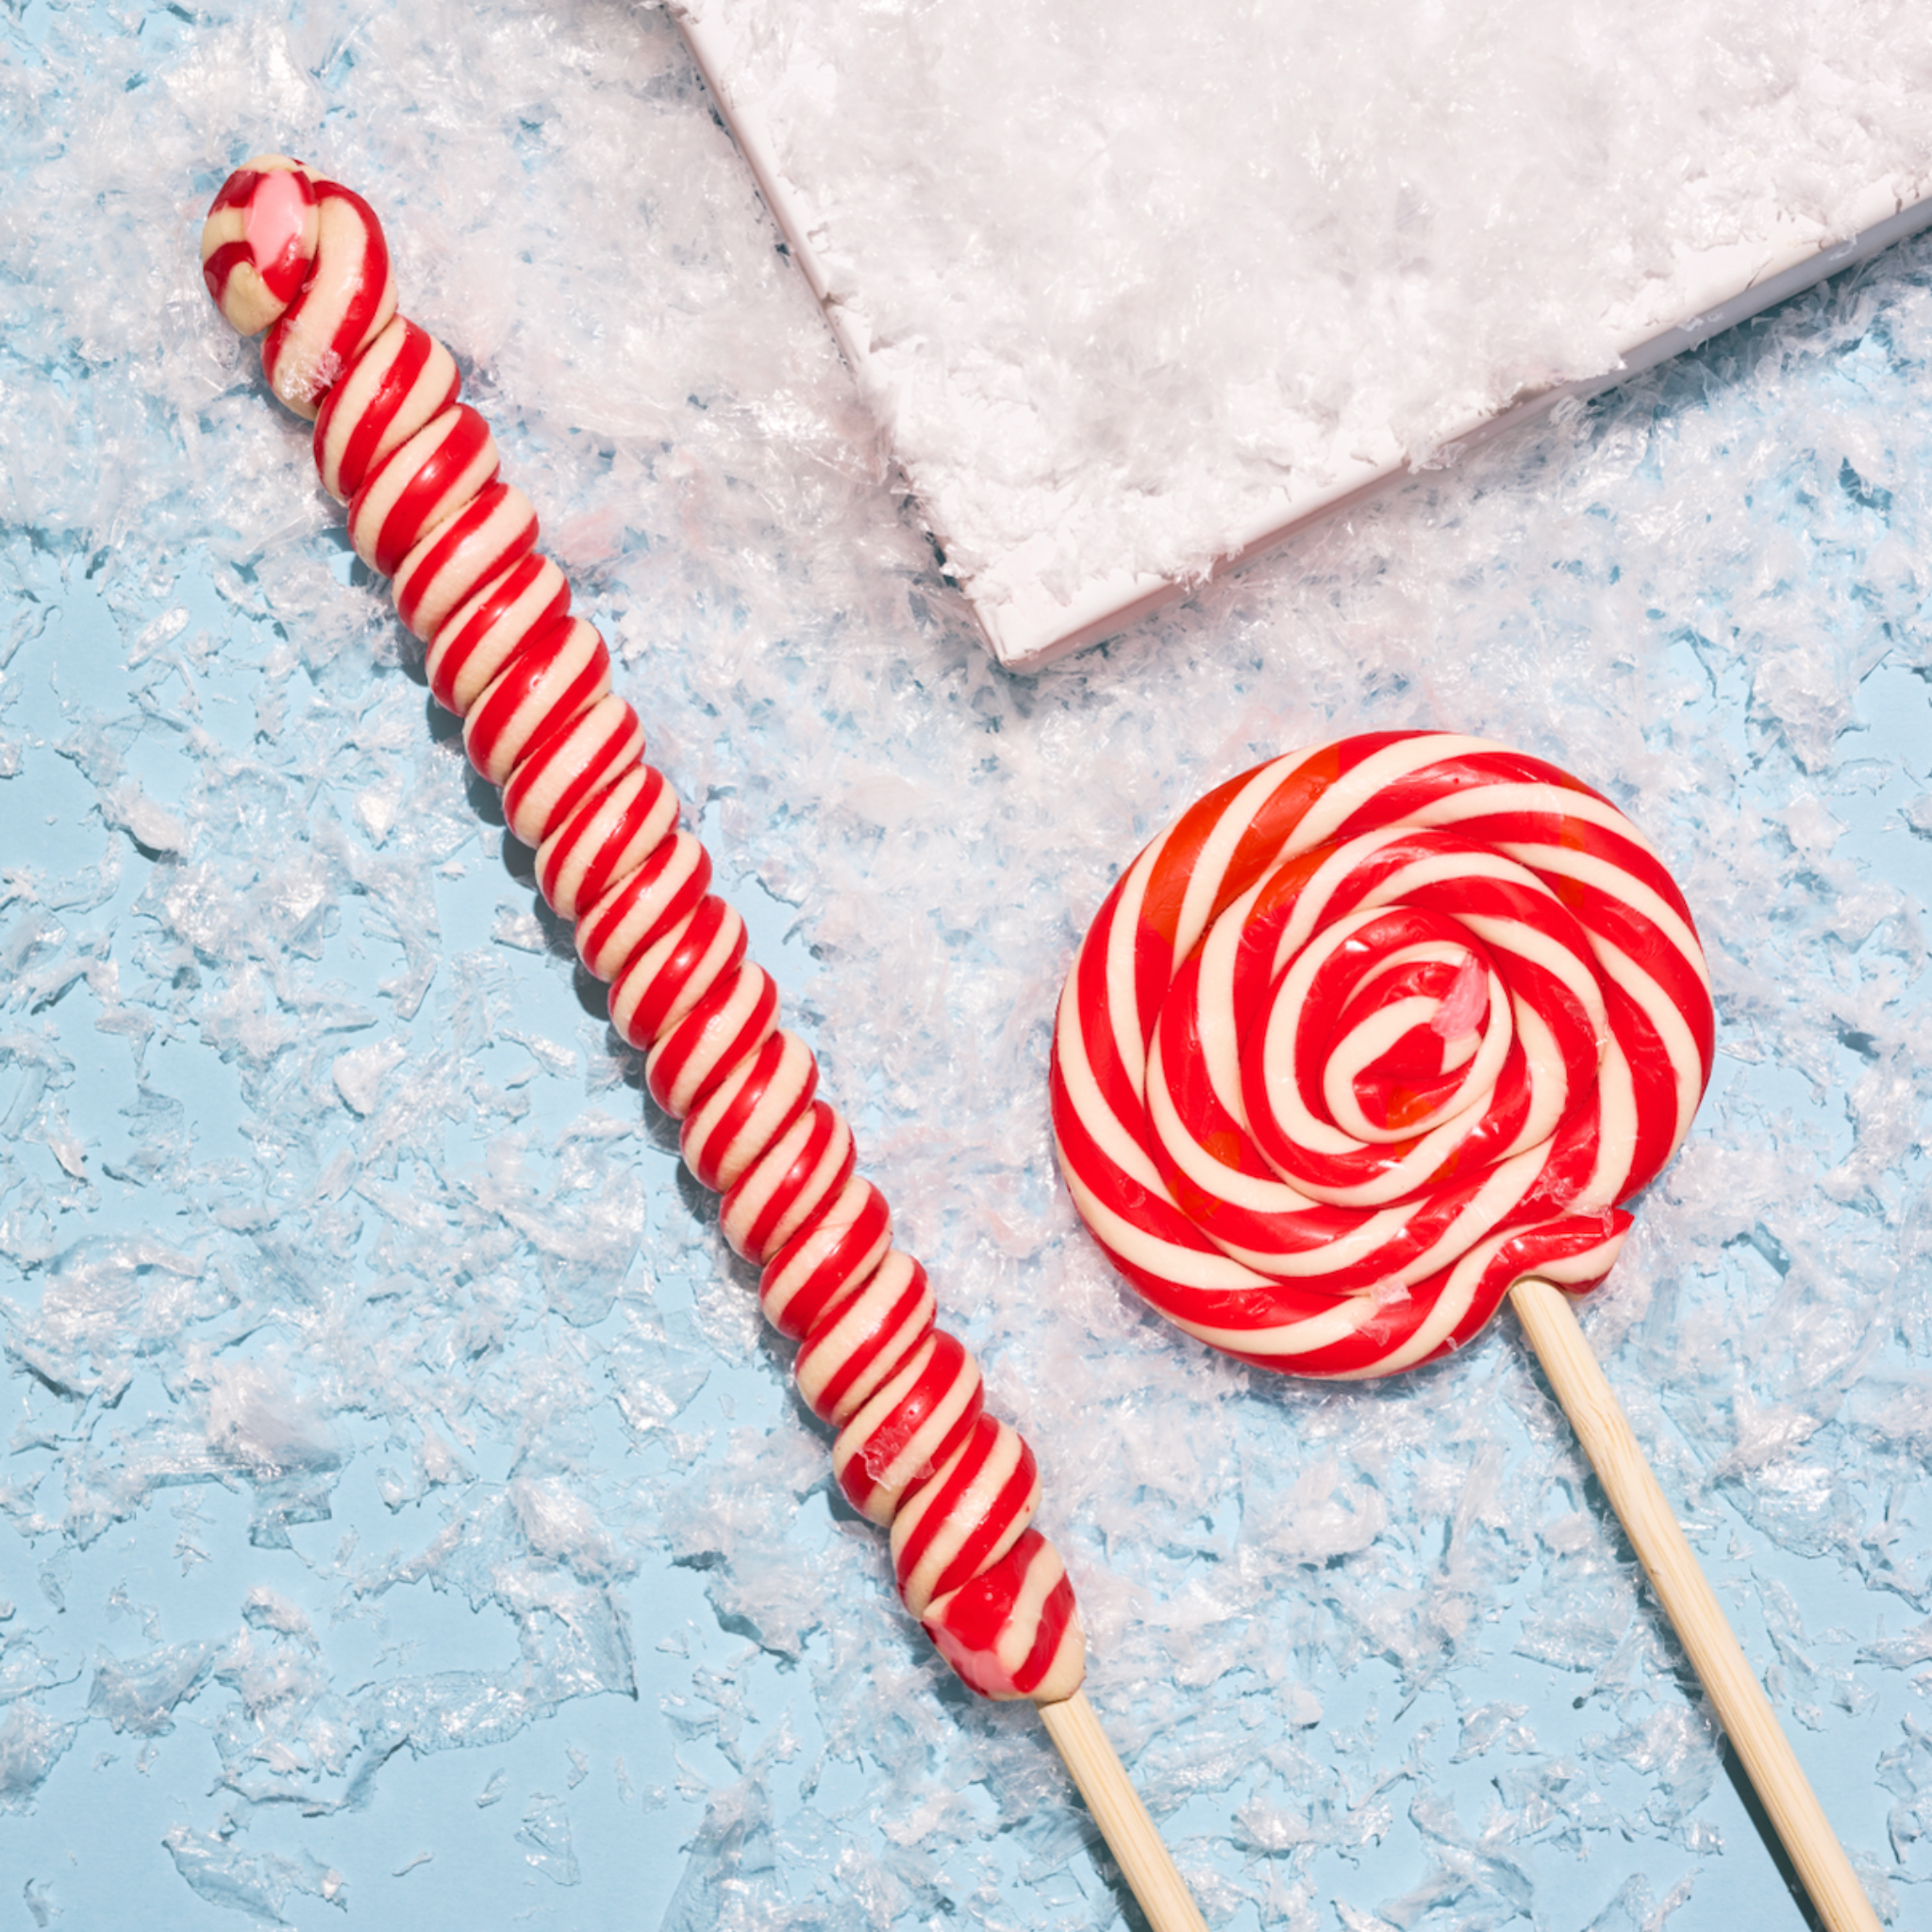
[404, 1514]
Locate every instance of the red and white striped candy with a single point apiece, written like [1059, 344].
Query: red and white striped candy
[665, 982]
[1014, 1631]
[402, 380]
[307, 260]
[559, 772]
[476, 641]
[259, 241]
[420, 485]
[1370, 1034]
[718, 1035]
[608, 835]
[972, 1511]
[829, 1256]
[748, 1108]
[862, 1341]
[553, 678]
[496, 530]
[644, 905]
[803, 1169]
[345, 302]
[906, 1430]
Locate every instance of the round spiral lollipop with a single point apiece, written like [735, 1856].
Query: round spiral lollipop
[1374, 1036]
[1368, 1035]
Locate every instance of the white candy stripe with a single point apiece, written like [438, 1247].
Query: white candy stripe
[982, 1499]
[419, 487]
[1589, 870]
[722, 1031]
[1332, 1325]
[605, 839]
[561, 772]
[865, 1341]
[1217, 854]
[457, 558]
[1220, 1036]
[476, 642]
[780, 1192]
[402, 380]
[1499, 797]
[540, 691]
[877, 1458]
[1377, 772]
[829, 1256]
[1205, 1269]
[750, 1106]
[347, 301]
[665, 982]
[642, 906]
[1118, 1145]
[1128, 1042]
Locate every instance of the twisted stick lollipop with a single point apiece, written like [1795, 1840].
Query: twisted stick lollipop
[1375, 1035]
[915, 1450]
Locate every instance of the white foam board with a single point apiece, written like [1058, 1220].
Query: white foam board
[1136, 294]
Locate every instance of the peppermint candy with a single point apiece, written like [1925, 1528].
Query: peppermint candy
[1371, 1033]
[305, 259]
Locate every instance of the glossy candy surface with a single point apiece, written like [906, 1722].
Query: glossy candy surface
[1368, 1035]
[305, 259]
[259, 241]
[1013, 1631]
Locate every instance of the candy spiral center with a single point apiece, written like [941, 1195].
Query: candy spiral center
[1380, 1034]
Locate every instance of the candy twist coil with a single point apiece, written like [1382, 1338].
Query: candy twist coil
[305, 259]
[1371, 1033]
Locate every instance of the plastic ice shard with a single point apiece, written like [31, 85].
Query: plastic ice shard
[30, 1745]
[216, 1869]
[140, 1694]
[733, 1846]
[359, 1073]
[545, 1831]
[153, 827]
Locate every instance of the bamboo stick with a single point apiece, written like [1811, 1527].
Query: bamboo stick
[1122, 1818]
[1689, 1602]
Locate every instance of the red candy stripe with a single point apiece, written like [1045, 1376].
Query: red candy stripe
[540, 691]
[780, 1190]
[721, 1032]
[665, 980]
[258, 243]
[462, 556]
[751, 1105]
[831, 1253]
[420, 485]
[910, 1427]
[558, 773]
[644, 906]
[1014, 1631]
[608, 835]
[864, 1339]
[972, 1511]
[346, 301]
[401, 381]
[476, 643]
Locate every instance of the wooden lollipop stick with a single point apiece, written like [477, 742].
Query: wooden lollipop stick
[1689, 1602]
[1122, 1818]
